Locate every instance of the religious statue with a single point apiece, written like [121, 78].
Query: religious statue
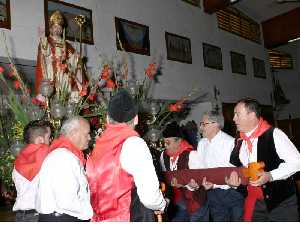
[58, 62]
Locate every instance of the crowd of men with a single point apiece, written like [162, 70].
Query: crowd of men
[118, 180]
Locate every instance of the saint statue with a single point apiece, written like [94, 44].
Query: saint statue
[58, 62]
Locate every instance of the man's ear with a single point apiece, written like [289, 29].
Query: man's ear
[39, 140]
[107, 119]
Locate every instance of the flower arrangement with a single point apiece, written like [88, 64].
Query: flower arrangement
[92, 104]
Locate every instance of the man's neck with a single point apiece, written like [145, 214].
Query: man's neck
[212, 135]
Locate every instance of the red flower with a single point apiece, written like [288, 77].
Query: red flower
[1, 69]
[86, 110]
[37, 102]
[110, 83]
[17, 84]
[92, 97]
[151, 71]
[84, 90]
[94, 121]
[106, 72]
[176, 107]
[10, 74]
[63, 66]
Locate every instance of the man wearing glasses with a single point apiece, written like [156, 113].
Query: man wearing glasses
[214, 150]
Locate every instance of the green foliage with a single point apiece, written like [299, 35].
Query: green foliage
[6, 167]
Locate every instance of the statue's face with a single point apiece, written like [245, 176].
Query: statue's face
[56, 30]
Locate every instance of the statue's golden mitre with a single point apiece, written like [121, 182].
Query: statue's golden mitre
[56, 18]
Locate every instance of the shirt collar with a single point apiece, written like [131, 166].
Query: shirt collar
[215, 138]
[251, 131]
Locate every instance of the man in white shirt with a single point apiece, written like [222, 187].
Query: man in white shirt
[122, 178]
[63, 192]
[272, 196]
[214, 149]
[26, 169]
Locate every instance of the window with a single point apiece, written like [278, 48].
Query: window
[234, 21]
[280, 60]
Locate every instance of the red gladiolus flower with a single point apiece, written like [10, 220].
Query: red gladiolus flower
[63, 66]
[17, 84]
[110, 84]
[37, 102]
[83, 92]
[86, 110]
[106, 72]
[94, 121]
[177, 107]
[151, 71]
[92, 97]
[10, 74]
[1, 69]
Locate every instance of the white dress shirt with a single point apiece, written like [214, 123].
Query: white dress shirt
[26, 191]
[213, 153]
[285, 149]
[63, 186]
[136, 160]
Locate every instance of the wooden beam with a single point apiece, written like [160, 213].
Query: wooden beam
[212, 6]
[280, 29]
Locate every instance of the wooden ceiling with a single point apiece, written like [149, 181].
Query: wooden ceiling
[277, 30]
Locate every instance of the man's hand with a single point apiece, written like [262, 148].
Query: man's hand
[206, 184]
[234, 180]
[192, 185]
[264, 177]
[174, 183]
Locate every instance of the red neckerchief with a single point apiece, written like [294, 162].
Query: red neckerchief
[261, 128]
[183, 146]
[28, 163]
[254, 193]
[114, 135]
[63, 142]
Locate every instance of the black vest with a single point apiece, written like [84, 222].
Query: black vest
[182, 163]
[276, 191]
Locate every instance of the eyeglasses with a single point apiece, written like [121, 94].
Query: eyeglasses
[204, 124]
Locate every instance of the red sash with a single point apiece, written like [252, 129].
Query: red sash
[254, 193]
[63, 142]
[28, 163]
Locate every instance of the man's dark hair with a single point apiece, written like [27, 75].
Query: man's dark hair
[34, 129]
[252, 105]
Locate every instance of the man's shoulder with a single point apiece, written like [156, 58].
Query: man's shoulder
[60, 154]
[134, 140]
[226, 136]
[135, 145]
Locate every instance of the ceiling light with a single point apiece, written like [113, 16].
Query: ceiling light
[295, 39]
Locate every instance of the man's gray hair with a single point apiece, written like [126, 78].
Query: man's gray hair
[71, 124]
[214, 116]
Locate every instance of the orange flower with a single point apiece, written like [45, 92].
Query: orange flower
[151, 71]
[106, 72]
[17, 84]
[110, 84]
